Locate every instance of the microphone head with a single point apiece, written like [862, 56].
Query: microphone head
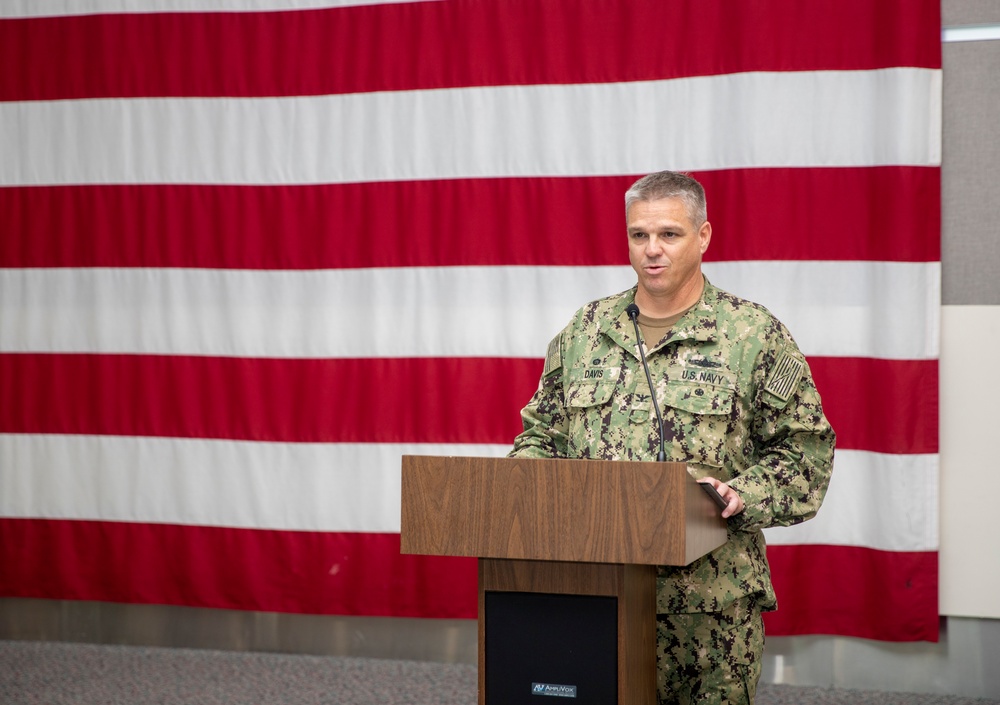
[632, 311]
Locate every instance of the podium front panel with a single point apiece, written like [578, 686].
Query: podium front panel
[540, 644]
[607, 611]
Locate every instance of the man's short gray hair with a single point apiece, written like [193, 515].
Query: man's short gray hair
[670, 184]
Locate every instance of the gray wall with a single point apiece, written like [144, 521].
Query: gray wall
[970, 168]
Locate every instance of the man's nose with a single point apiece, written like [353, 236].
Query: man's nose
[654, 245]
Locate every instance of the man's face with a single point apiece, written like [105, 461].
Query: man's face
[665, 249]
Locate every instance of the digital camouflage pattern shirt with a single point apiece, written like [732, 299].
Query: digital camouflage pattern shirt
[738, 404]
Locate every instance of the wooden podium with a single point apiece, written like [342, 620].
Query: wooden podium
[560, 527]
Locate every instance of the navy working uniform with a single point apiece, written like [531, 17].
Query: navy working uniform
[739, 404]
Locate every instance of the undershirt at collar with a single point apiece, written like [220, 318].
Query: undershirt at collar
[655, 330]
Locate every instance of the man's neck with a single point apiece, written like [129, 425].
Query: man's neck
[667, 306]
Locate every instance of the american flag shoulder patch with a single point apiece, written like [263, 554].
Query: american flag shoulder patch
[785, 375]
[553, 357]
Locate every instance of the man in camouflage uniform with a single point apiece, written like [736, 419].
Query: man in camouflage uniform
[739, 407]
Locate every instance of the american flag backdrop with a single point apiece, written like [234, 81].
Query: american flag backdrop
[254, 251]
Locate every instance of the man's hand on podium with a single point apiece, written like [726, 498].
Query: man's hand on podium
[733, 502]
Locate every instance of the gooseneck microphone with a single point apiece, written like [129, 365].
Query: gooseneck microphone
[633, 313]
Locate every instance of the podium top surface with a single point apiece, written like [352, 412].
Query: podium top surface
[593, 511]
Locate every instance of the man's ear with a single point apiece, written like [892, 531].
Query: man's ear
[705, 235]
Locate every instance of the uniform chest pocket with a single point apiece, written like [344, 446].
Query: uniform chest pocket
[700, 415]
[699, 398]
[584, 395]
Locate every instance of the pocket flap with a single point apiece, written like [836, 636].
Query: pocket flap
[581, 395]
[698, 398]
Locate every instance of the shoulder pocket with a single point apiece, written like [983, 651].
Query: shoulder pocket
[784, 379]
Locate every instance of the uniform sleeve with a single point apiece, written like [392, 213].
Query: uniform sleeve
[544, 418]
[793, 444]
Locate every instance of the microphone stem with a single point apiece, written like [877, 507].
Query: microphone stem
[661, 456]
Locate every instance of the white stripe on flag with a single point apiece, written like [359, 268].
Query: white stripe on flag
[356, 487]
[245, 484]
[845, 309]
[861, 309]
[781, 119]
[51, 8]
[882, 501]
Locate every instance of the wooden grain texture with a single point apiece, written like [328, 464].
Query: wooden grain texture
[637, 636]
[556, 509]
[556, 577]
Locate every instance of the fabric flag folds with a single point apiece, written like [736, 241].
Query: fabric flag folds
[253, 252]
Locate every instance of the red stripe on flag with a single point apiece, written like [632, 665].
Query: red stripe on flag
[887, 406]
[442, 223]
[514, 42]
[850, 591]
[368, 400]
[269, 571]
[821, 589]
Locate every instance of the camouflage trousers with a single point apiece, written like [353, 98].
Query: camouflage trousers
[709, 658]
